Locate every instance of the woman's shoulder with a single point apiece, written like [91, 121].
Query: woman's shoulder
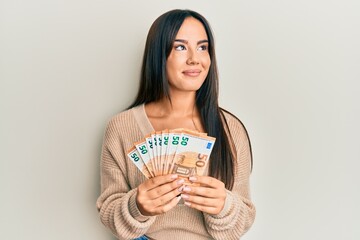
[238, 133]
[119, 117]
[235, 125]
[124, 119]
[231, 118]
[126, 115]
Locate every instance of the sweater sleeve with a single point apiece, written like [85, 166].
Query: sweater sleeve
[238, 213]
[117, 201]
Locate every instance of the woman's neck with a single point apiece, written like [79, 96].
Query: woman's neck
[180, 105]
[179, 112]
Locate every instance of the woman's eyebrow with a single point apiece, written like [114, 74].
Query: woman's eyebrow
[181, 40]
[203, 41]
[186, 41]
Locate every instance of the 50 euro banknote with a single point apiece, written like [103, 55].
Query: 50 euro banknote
[192, 154]
[179, 151]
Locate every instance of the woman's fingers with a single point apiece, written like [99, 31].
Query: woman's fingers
[207, 181]
[209, 187]
[210, 202]
[204, 204]
[203, 191]
[159, 194]
[157, 181]
[159, 205]
[209, 197]
[164, 208]
[164, 189]
[166, 198]
[203, 208]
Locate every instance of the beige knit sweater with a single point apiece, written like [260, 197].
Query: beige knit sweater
[120, 178]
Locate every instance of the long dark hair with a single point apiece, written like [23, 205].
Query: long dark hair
[154, 86]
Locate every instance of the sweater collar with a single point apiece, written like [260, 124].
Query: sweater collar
[142, 119]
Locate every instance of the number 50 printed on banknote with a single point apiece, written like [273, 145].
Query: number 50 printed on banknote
[178, 151]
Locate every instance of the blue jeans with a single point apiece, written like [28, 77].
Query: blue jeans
[142, 238]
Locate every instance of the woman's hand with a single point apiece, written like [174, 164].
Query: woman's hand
[159, 194]
[209, 197]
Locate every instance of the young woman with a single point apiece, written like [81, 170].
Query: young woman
[178, 89]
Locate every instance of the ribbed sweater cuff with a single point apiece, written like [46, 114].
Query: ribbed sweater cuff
[134, 210]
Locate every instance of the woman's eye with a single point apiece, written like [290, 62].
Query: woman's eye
[179, 48]
[203, 48]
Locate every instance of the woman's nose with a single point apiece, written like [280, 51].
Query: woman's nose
[192, 58]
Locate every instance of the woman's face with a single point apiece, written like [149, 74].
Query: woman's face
[188, 63]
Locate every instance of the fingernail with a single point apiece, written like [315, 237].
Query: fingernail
[184, 196]
[193, 179]
[181, 181]
[187, 189]
[174, 176]
[187, 204]
[180, 189]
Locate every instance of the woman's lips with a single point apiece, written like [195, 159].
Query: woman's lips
[192, 72]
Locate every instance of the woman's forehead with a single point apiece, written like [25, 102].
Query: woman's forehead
[192, 29]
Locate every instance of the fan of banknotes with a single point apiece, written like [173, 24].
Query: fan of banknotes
[178, 151]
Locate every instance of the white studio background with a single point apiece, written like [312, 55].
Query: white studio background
[288, 69]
